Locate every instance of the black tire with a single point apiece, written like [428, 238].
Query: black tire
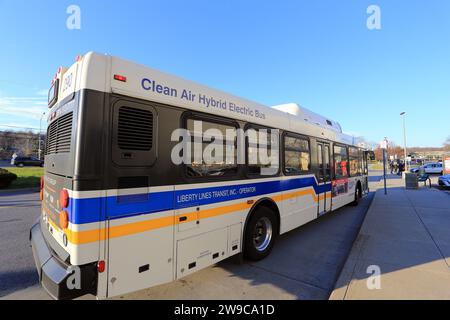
[256, 224]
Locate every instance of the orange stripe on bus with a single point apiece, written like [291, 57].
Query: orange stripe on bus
[88, 236]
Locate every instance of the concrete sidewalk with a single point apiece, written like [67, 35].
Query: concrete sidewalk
[407, 235]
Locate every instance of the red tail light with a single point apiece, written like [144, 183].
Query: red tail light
[64, 198]
[101, 266]
[42, 182]
[118, 77]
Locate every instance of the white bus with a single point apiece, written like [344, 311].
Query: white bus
[119, 214]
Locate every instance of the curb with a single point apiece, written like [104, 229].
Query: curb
[340, 286]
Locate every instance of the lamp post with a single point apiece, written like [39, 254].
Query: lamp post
[40, 130]
[403, 114]
[384, 146]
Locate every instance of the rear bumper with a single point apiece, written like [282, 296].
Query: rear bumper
[59, 279]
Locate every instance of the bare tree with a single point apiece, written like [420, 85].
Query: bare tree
[20, 142]
[447, 144]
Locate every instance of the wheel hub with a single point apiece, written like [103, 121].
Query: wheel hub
[262, 234]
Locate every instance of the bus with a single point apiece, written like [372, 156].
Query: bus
[150, 177]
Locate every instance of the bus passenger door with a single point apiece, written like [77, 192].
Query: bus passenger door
[323, 178]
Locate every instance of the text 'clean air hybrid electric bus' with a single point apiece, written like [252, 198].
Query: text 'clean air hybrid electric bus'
[150, 177]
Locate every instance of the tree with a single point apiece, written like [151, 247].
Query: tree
[22, 142]
[447, 144]
[392, 150]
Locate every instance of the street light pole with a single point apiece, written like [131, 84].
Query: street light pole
[403, 114]
[40, 131]
[384, 145]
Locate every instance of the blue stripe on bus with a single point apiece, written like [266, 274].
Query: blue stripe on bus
[99, 209]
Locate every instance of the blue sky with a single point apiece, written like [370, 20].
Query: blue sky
[318, 53]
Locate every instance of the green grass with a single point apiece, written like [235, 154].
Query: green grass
[376, 166]
[379, 166]
[27, 177]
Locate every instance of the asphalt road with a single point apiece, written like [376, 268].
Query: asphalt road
[5, 163]
[18, 211]
[304, 264]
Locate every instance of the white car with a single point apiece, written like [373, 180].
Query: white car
[434, 167]
[444, 181]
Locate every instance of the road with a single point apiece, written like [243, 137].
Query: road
[5, 163]
[18, 211]
[304, 264]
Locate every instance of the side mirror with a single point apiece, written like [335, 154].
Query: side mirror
[370, 155]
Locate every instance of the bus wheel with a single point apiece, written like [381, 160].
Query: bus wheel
[358, 194]
[260, 234]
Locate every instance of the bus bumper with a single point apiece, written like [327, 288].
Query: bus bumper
[54, 274]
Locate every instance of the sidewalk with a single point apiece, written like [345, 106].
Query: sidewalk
[407, 235]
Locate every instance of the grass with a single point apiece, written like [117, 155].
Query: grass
[27, 177]
[379, 166]
[376, 166]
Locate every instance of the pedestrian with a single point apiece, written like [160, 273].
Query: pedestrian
[401, 168]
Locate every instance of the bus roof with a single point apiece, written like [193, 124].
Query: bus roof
[111, 74]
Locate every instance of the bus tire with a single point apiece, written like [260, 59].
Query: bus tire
[358, 194]
[260, 234]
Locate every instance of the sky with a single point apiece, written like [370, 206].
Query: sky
[319, 54]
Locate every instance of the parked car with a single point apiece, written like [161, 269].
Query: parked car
[27, 161]
[444, 181]
[435, 167]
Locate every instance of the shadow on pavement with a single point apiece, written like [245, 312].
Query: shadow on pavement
[11, 281]
[309, 258]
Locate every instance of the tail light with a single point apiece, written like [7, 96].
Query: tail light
[63, 219]
[64, 198]
[41, 193]
[101, 266]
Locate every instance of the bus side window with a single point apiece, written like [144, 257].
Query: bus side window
[213, 148]
[340, 162]
[296, 155]
[355, 166]
[262, 152]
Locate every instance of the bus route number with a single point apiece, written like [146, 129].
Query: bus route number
[67, 82]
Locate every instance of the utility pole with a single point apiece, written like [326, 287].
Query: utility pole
[403, 114]
[39, 136]
[384, 145]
